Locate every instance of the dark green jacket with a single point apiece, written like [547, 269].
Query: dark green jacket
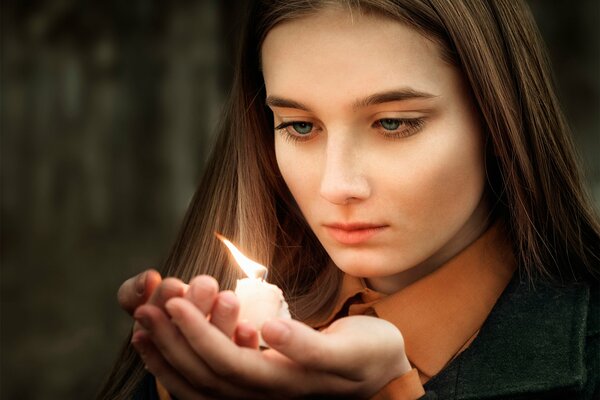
[537, 343]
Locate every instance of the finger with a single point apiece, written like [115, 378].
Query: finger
[225, 312]
[163, 291]
[167, 289]
[165, 373]
[246, 335]
[203, 293]
[135, 291]
[171, 344]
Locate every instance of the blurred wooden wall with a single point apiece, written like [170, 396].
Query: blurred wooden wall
[107, 111]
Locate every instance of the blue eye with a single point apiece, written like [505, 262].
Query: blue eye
[390, 124]
[296, 130]
[303, 128]
[396, 128]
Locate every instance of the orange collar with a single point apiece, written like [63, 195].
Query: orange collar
[440, 313]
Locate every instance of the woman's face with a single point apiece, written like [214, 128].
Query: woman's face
[378, 141]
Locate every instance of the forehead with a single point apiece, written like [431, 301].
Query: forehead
[338, 52]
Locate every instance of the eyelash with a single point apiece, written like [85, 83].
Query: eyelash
[412, 126]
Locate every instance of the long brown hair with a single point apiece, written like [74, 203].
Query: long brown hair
[533, 177]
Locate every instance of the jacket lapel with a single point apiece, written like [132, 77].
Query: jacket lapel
[532, 342]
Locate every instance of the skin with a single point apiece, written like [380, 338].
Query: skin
[412, 167]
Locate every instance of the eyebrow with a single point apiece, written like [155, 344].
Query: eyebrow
[377, 98]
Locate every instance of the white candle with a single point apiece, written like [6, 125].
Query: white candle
[259, 300]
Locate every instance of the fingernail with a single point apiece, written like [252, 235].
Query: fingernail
[140, 284]
[226, 306]
[277, 331]
[243, 334]
[201, 288]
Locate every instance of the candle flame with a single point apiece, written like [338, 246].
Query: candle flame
[251, 268]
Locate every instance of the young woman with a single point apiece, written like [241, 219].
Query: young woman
[405, 171]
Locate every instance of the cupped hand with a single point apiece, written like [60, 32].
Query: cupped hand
[194, 359]
[218, 309]
[148, 288]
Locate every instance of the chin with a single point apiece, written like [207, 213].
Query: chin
[371, 269]
[374, 262]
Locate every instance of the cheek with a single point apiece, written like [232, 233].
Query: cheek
[297, 170]
[459, 183]
[285, 162]
[446, 188]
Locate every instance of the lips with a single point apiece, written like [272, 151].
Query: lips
[353, 233]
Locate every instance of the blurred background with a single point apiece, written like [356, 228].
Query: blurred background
[107, 112]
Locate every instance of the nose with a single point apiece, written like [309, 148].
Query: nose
[343, 180]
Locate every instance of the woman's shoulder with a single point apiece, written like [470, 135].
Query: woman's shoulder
[572, 310]
[539, 339]
[532, 311]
